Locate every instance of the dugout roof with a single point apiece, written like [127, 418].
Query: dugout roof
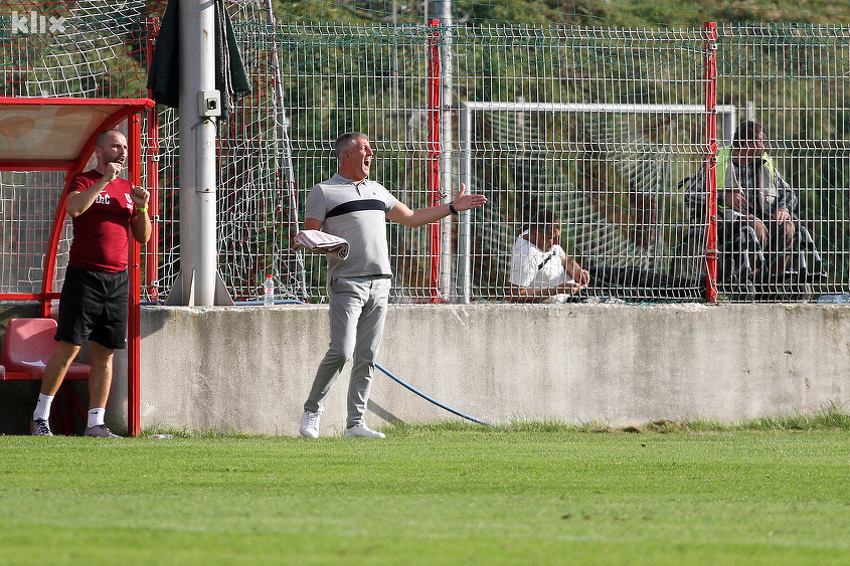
[54, 133]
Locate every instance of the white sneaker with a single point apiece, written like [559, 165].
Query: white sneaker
[363, 431]
[100, 431]
[310, 424]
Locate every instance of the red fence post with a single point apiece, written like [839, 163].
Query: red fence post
[133, 320]
[710, 29]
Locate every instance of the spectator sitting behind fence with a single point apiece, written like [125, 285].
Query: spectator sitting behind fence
[94, 299]
[755, 205]
[540, 269]
[356, 208]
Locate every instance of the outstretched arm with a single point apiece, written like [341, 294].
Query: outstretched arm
[403, 215]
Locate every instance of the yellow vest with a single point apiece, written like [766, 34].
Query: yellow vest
[723, 158]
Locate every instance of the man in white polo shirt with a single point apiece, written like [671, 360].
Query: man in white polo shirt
[540, 269]
[353, 207]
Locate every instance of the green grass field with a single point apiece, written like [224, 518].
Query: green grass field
[444, 494]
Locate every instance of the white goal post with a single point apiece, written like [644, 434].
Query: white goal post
[727, 114]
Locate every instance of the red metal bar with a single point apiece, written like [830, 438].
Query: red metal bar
[433, 87]
[710, 29]
[134, 133]
[17, 376]
[152, 258]
[53, 239]
[39, 101]
[36, 165]
[71, 404]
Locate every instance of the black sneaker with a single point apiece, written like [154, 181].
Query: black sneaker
[40, 427]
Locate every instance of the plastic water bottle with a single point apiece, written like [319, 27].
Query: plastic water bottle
[268, 291]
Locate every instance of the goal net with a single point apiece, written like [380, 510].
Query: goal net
[85, 49]
[610, 172]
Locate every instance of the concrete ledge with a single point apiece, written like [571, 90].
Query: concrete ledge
[249, 369]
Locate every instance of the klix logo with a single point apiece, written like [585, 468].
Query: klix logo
[33, 23]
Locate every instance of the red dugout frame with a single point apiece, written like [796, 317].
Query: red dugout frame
[58, 134]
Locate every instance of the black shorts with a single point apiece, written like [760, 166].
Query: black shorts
[94, 306]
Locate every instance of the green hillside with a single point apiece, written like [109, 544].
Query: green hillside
[664, 13]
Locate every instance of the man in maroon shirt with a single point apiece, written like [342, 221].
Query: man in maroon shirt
[93, 306]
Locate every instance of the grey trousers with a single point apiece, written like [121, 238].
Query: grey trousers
[358, 308]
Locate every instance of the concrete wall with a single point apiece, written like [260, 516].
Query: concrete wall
[249, 368]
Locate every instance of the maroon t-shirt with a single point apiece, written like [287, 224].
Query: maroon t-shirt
[101, 233]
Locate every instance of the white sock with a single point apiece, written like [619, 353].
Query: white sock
[96, 417]
[42, 407]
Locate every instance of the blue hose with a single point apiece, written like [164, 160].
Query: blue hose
[277, 302]
[240, 303]
[427, 398]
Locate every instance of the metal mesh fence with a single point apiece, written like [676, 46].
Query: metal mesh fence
[600, 132]
[256, 200]
[84, 48]
[793, 80]
[370, 79]
[602, 125]
[27, 202]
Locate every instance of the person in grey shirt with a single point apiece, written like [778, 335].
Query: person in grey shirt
[755, 205]
[354, 207]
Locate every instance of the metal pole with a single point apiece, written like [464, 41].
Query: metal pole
[198, 257]
[729, 122]
[434, 197]
[463, 238]
[443, 13]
